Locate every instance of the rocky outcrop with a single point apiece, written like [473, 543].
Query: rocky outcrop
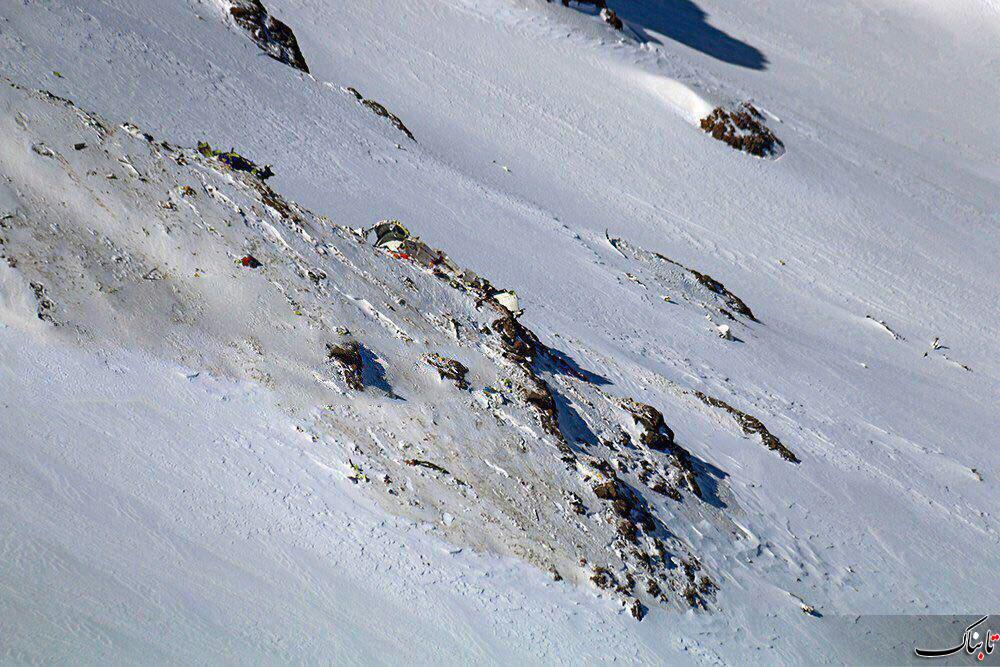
[273, 37]
[609, 16]
[347, 357]
[750, 426]
[730, 303]
[449, 369]
[656, 435]
[743, 129]
[533, 459]
[380, 110]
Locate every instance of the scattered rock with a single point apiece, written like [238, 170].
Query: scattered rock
[732, 301]
[44, 304]
[622, 526]
[715, 286]
[659, 437]
[316, 275]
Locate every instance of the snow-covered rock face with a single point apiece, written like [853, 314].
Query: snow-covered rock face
[743, 129]
[783, 370]
[274, 37]
[402, 363]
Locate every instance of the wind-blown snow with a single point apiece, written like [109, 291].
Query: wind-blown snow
[162, 515]
[537, 128]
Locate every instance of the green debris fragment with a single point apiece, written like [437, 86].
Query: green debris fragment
[235, 161]
[357, 474]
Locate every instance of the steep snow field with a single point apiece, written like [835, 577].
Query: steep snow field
[161, 498]
[164, 517]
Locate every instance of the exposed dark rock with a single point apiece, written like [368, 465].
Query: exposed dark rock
[602, 578]
[380, 110]
[272, 36]
[44, 303]
[519, 343]
[691, 596]
[696, 592]
[316, 275]
[628, 531]
[650, 418]
[622, 506]
[348, 357]
[43, 150]
[575, 503]
[742, 129]
[609, 16]
[714, 285]
[657, 436]
[606, 490]
[540, 398]
[426, 464]
[751, 426]
[449, 369]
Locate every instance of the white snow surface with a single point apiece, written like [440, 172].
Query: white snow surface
[160, 517]
[175, 452]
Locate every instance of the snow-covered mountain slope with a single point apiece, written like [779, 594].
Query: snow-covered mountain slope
[421, 379]
[160, 516]
[535, 129]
